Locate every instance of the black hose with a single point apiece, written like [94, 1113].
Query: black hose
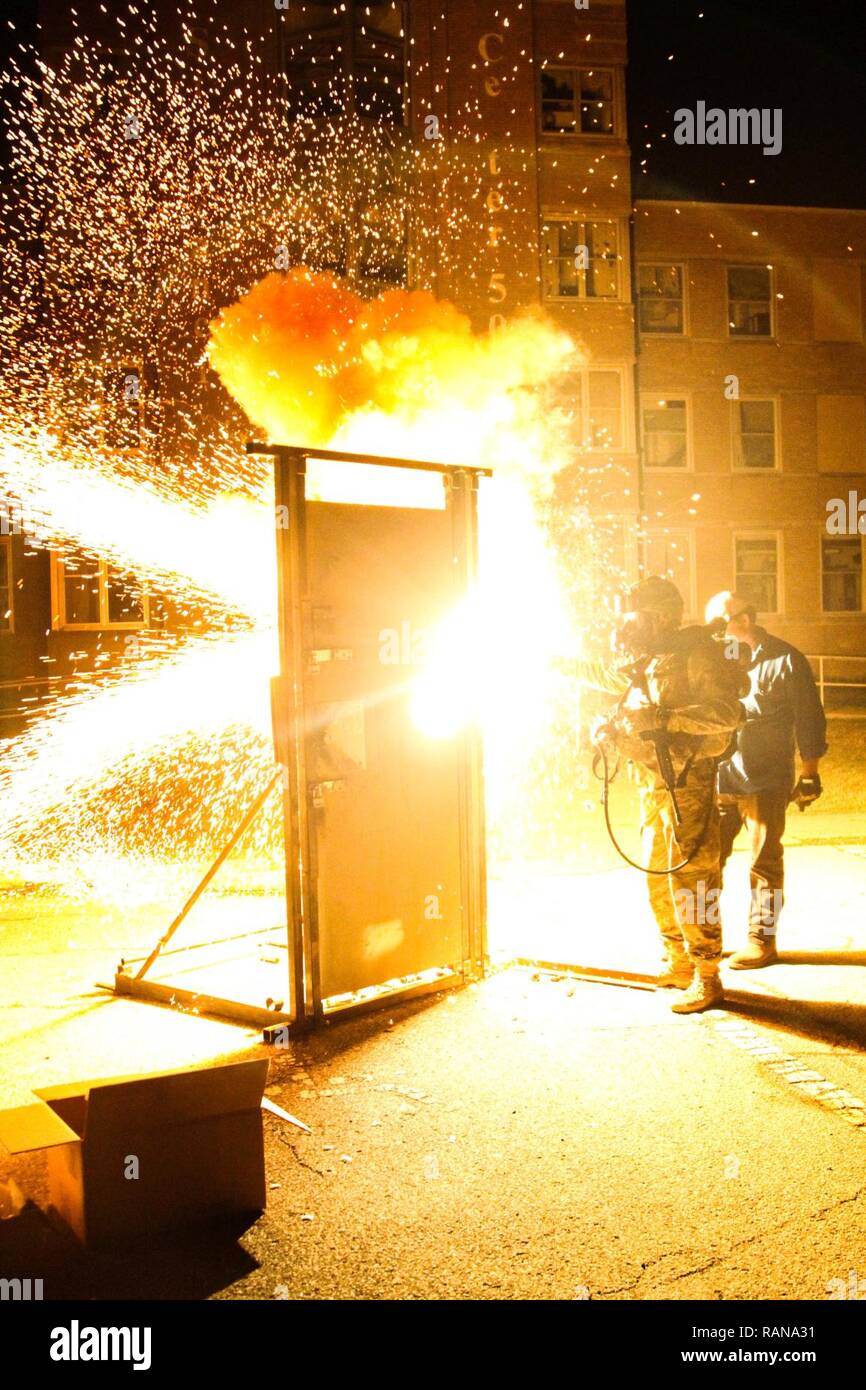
[605, 801]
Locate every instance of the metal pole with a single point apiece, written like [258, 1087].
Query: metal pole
[217, 864]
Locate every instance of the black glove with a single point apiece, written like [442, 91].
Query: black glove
[807, 790]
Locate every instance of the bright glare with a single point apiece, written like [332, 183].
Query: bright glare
[493, 660]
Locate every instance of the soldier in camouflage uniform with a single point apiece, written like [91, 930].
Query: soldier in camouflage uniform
[678, 682]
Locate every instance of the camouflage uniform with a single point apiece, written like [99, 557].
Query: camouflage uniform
[697, 691]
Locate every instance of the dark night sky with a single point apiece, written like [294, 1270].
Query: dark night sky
[806, 56]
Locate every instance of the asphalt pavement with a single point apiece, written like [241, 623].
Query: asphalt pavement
[532, 1137]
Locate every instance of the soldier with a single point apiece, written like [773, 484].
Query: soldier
[681, 695]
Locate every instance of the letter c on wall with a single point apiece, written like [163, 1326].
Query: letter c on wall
[484, 47]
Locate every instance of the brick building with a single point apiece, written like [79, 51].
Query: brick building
[723, 401]
[752, 380]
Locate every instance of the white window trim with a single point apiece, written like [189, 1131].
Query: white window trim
[763, 535]
[626, 412]
[688, 532]
[624, 278]
[663, 337]
[616, 136]
[650, 397]
[834, 614]
[58, 602]
[742, 468]
[751, 337]
[6, 542]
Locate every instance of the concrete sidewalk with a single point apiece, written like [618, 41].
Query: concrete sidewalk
[819, 827]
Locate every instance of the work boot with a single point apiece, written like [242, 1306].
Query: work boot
[760, 951]
[704, 992]
[676, 973]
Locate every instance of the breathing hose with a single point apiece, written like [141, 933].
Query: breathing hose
[606, 778]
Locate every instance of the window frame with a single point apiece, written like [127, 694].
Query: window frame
[843, 613]
[750, 337]
[649, 334]
[736, 434]
[581, 376]
[648, 397]
[688, 532]
[558, 219]
[6, 544]
[757, 535]
[58, 602]
[615, 134]
[584, 374]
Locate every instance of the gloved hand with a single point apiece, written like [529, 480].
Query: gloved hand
[602, 730]
[807, 790]
[643, 720]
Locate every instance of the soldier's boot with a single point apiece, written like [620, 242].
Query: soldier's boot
[704, 992]
[677, 971]
[760, 951]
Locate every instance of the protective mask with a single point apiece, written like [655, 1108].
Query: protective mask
[636, 634]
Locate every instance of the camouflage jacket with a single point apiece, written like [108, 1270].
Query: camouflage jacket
[692, 682]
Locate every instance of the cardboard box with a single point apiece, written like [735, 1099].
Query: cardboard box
[135, 1154]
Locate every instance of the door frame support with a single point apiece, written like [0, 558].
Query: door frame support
[288, 705]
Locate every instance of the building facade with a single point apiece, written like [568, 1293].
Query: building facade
[756, 316]
[535, 206]
[721, 407]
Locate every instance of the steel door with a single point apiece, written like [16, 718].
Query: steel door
[385, 852]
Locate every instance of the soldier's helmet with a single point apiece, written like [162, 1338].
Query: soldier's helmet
[655, 595]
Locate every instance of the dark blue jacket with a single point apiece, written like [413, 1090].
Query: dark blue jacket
[783, 713]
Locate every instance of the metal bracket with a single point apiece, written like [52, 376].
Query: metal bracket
[318, 789]
[321, 656]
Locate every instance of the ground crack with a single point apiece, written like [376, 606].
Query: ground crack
[732, 1249]
[302, 1162]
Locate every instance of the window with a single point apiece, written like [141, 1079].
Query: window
[665, 433]
[602, 410]
[750, 303]
[660, 298]
[354, 62]
[842, 575]
[591, 405]
[591, 402]
[754, 434]
[93, 593]
[670, 553]
[6, 624]
[582, 260]
[577, 101]
[756, 571]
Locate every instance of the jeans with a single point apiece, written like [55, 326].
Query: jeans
[763, 814]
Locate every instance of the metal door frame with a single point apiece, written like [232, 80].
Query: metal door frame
[289, 704]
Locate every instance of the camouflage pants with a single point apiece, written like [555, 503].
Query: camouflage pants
[686, 903]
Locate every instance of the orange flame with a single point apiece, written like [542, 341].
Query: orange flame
[312, 363]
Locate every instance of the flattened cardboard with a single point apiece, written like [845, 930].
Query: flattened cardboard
[30, 1127]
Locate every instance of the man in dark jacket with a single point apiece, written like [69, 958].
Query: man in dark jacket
[783, 714]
